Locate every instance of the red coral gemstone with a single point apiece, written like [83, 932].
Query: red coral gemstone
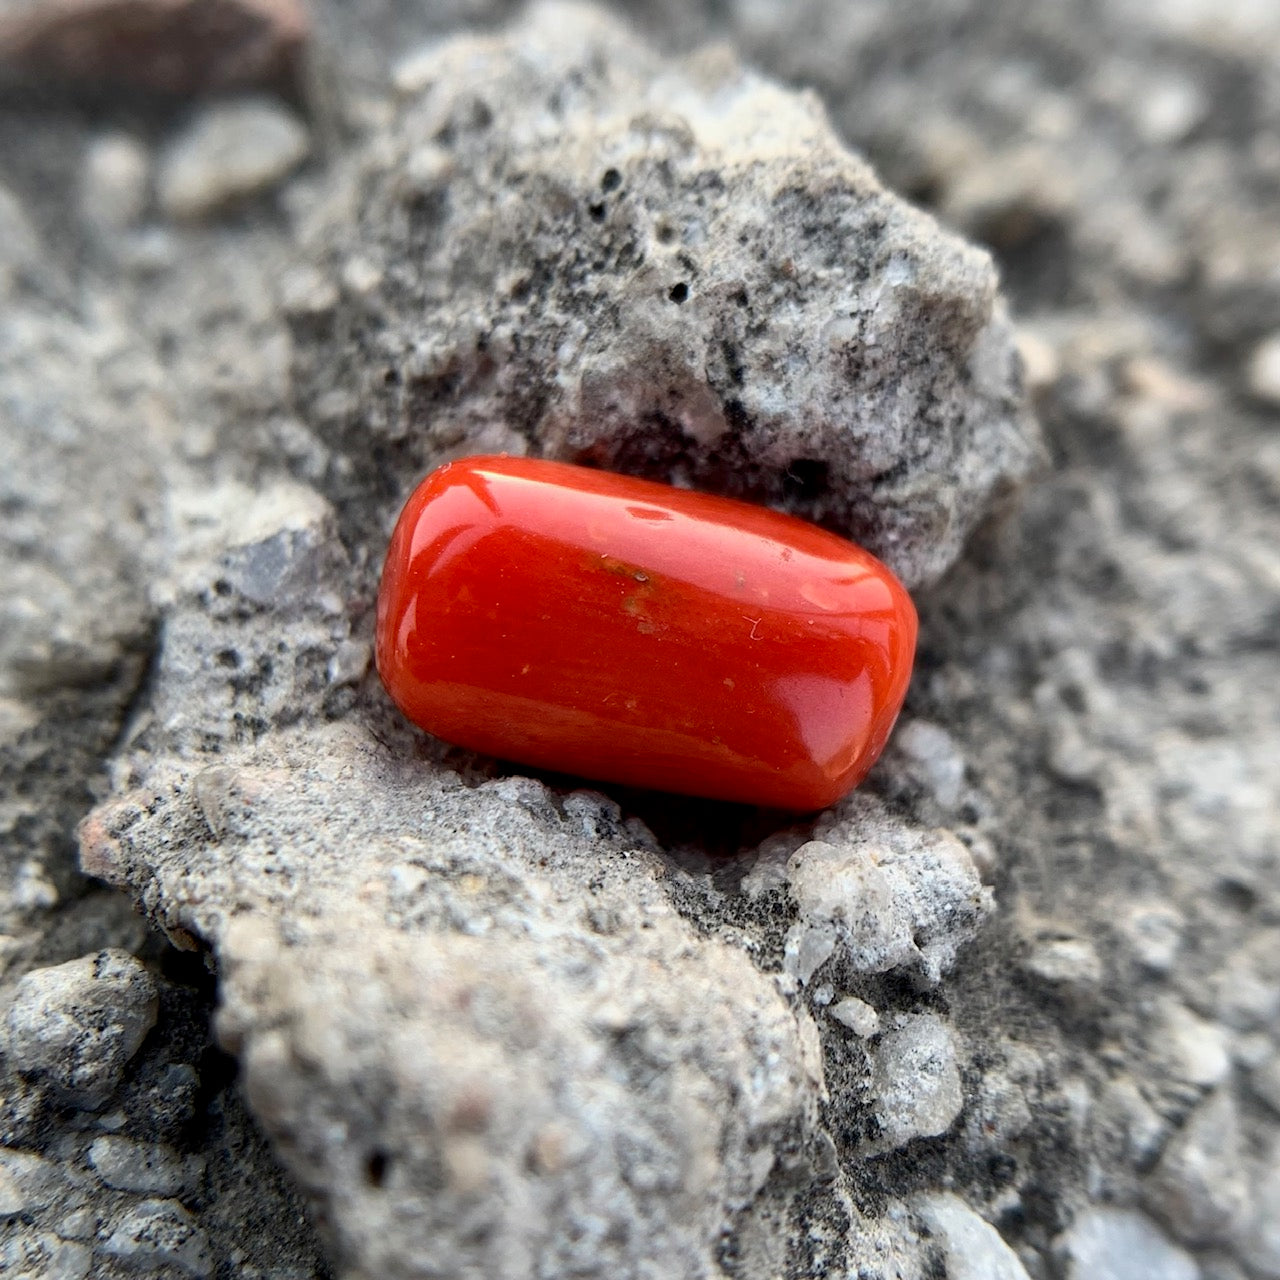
[623, 630]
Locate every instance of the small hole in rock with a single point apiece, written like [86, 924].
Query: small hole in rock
[611, 180]
[1237, 895]
[805, 478]
[597, 211]
[679, 292]
[376, 1167]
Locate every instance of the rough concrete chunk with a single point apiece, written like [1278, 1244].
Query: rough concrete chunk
[1091, 670]
[574, 246]
[471, 994]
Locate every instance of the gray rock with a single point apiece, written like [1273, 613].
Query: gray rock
[39, 1255]
[916, 1081]
[1196, 1050]
[160, 1233]
[885, 894]
[1095, 660]
[28, 1182]
[75, 1026]
[230, 153]
[1154, 931]
[972, 1248]
[115, 190]
[1200, 1188]
[1119, 1244]
[144, 1167]
[675, 269]
[529, 1101]
[860, 1017]
[1069, 963]
[81, 412]
[932, 759]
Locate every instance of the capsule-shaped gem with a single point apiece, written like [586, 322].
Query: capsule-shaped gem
[630, 632]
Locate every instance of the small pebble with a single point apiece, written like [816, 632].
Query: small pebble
[39, 1255]
[1065, 962]
[304, 291]
[934, 760]
[28, 1182]
[231, 152]
[857, 1015]
[1198, 1052]
[916, 1081]
[971, 1247]
[117, 171]
[1114, 1244]
[1041, 366]
[1200, 1189]
[361, 276]
[350, 661]
[160, 1233]
[1154, 933]
[1170, 109]
[807, 948]
[141, 1166]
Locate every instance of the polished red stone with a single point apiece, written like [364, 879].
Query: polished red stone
[626, 631]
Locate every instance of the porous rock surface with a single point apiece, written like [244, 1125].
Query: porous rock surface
[667, 268]
[476, 1023]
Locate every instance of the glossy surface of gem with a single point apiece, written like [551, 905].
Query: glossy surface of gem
[630, 632]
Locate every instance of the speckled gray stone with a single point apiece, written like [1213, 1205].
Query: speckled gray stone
[145, 1167]
[916, 1081]
[517, 1055]
[74, 1027]
[160, 1234]
[885, 895]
